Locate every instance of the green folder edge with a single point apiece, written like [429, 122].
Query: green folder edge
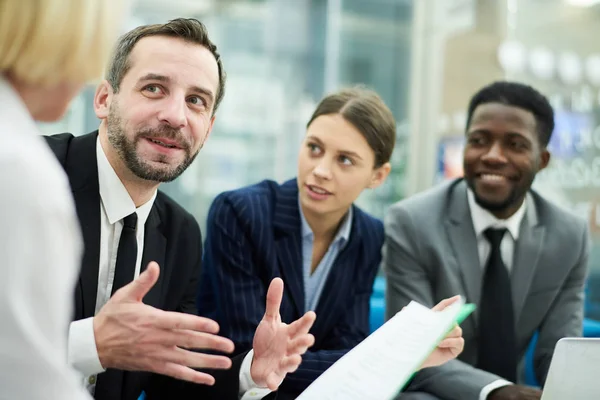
[464, 312]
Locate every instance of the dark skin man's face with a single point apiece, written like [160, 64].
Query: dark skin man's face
[502, 156]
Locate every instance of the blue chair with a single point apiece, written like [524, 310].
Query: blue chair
[591, 328]
[377, 313]
[530, 378]
[379, 287]
[377, 316]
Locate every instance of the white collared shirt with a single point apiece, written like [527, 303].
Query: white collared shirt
[115, 205]
[482, 220]
[40, 253]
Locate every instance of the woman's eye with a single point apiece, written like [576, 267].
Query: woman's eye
[314, 149]
[346, 161]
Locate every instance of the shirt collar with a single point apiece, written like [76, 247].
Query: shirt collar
[343, 233]
[115, 198]
[483, 219]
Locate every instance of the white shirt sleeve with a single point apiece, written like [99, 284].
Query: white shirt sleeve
[83, 354]
[249, 390]
[485, 392]
[40, 256]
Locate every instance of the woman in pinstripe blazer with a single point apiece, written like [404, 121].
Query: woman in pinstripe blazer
[308, 232]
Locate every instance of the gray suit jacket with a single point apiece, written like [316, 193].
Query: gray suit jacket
[431, 253]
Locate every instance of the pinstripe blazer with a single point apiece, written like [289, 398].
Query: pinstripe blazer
[253, 236]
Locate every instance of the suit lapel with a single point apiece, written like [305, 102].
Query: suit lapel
[82, 168]
[88, 209]
[288, 242]
[461, 235]
[155, 247]
[527, 253]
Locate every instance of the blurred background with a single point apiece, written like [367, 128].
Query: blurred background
[426, 58]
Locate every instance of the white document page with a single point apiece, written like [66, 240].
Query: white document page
[381, 365]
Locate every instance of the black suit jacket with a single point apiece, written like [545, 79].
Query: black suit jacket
[172, 239]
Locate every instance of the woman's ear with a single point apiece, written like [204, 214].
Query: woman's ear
[379, 175]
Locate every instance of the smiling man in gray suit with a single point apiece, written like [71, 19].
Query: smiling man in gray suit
[492, 239]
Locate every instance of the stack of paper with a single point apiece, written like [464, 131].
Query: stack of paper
[384, 362]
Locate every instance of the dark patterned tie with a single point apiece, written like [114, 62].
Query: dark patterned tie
[497, 347]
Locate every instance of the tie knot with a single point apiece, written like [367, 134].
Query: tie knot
[494, 236]
[130, 221]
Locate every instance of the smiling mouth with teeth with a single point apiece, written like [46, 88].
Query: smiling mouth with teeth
[318, 190]
[492, 178]
[168, 146]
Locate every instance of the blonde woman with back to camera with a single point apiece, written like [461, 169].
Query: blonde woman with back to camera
[48, 50]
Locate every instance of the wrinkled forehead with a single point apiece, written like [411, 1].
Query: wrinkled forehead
[183, 62]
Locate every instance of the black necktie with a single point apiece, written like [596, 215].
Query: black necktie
[109, 383]
[126, 254]
[497, 348]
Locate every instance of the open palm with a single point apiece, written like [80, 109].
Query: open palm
[278, 347]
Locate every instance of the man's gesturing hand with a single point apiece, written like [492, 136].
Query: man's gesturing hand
[133, 336]
[278, 347]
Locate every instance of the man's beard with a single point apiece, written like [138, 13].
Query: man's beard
[126, 149]
[492, 206]
[515, 196]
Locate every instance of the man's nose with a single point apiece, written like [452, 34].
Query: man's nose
[173, 113]
[495, 154]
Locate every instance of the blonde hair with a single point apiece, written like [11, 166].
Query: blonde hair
[46, 42]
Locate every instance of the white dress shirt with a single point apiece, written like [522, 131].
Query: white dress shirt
[115, 205]
[482, 220]
[40, 253]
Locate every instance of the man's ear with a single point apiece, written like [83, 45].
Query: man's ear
[102, 99]
[544, 159]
